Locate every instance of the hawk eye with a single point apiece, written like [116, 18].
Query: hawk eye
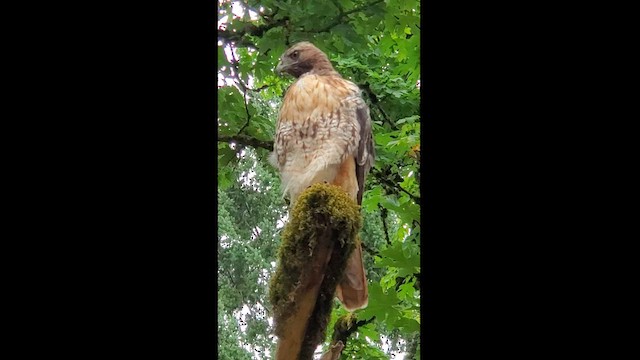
[294, 55]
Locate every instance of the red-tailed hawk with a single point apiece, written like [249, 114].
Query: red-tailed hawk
[324, 134]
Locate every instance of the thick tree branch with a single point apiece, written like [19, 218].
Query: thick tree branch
[326, 221]
[245, 140]
[342, 14]
[343, 330]
[239, 36]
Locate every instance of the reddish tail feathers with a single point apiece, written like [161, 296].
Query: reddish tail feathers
[352, 290]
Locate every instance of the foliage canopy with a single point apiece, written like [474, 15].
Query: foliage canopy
[375, 44]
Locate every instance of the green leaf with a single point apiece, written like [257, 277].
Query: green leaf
[410, 119]
[369, 331]
[226, 155]
[406, 291]
[395, 256]
[408, 325]
[380, 304]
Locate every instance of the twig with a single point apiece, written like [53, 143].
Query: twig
[236, 74]
[376, 102]
[259, 89]
[246, 108]
[415, 198]
[382, 176]
[383, 216]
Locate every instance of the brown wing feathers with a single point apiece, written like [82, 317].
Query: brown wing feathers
[366, 152]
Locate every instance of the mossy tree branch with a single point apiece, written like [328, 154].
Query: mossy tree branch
[316, 244]
[342, 330]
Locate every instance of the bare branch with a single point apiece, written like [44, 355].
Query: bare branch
[238, 37]
[236, 74]
[259, 89]
[376, 102]
[339, 339]
[383, 217]
[343, 336]
[245, 140]
[397, 186]
[415, 198]
[339, 20]
[390, 181]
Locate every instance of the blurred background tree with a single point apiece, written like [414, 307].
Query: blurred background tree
[376, 44]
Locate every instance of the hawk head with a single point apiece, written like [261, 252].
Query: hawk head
[302, 58]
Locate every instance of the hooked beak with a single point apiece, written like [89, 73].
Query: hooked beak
[279, 68]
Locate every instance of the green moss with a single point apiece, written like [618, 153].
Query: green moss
[343, 324]
[320, 208]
